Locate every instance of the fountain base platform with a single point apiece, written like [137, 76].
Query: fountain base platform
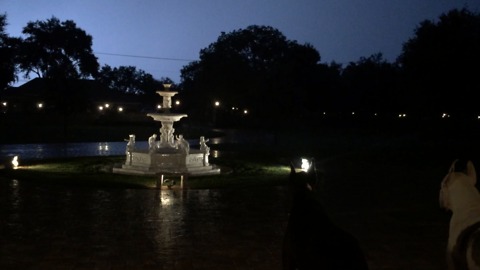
[169, 161]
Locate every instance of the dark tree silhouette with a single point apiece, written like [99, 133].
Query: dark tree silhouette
[440, 64]
[255, 68]
[8, 46]
[55, 49]
[370, 85]
[128, 79]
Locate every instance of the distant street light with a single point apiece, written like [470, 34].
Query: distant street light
[39, 105]
[120, 109]
[15, 162]
[217, 103]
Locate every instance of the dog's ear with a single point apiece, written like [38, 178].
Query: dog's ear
[452, 167]
[292, 168]
[470, 171]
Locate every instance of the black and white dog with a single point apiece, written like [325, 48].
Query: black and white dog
[459, 195]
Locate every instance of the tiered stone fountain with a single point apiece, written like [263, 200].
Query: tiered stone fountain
[171, 154]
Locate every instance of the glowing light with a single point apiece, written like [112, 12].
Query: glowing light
[353, 113]
[217, 103]
[103, 147]
[245, 111]
[120, 109]
[445, 115]
[402, 115]
[159, 106]
[306, 164]
[39, 105]
[4, 103]
[107, 105]
[100, 108]
[177, 102]
[15, 162]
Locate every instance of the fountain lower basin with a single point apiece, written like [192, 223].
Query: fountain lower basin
[167, 162]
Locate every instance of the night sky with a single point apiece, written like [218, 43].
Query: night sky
[171, 33]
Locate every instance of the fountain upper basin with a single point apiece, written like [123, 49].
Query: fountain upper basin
[170, 117]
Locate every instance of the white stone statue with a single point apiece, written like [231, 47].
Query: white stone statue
[182, 144]
[152, 144]
[130, 147]
[205, 150]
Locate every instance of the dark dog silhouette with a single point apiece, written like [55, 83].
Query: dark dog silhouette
[312, 240]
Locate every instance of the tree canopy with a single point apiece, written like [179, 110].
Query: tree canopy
[7, 55]
[370, 85]
[440, 63]
[256, 68]
[54, 49]
[128, 79]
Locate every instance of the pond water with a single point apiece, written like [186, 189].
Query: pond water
[63, 150]
[60, 150]
[47, 226]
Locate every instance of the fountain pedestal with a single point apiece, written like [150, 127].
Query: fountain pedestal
[168, 156]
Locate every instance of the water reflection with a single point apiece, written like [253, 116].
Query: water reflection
[60, 150]
[53, 225]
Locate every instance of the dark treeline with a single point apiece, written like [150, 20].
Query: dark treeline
[258, 69]
[257, 75]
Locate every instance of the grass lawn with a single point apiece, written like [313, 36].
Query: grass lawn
[97, 171]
